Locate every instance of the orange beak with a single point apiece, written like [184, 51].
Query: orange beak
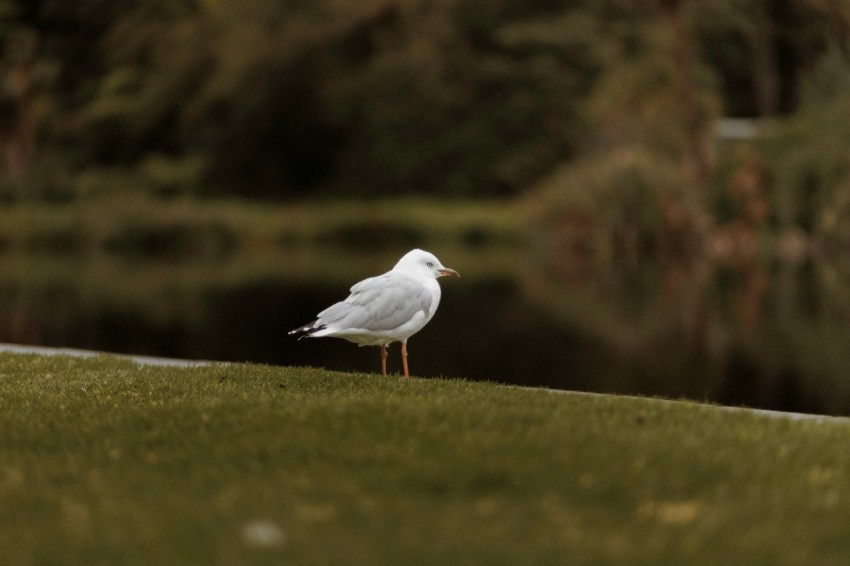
[449, 272]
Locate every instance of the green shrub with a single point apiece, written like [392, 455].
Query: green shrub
[631, 201]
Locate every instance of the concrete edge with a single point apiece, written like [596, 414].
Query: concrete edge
[79, 353]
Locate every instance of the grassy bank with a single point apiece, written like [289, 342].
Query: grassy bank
[138, 225]
[102, 461]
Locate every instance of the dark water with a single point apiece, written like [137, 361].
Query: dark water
[768, 336]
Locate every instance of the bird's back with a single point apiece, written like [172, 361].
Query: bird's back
[382, 309]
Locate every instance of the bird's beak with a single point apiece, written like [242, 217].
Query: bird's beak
[449, 272]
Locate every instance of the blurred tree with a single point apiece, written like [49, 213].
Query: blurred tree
[806, 153]
[265, 98]
[741, 40]
[287, 98]
[24, 99]
[50, 56]
[764, 50]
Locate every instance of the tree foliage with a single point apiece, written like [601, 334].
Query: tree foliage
[285, 99]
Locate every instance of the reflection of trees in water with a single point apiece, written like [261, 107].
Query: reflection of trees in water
[743, 332]
[769, 334]
[29, 315]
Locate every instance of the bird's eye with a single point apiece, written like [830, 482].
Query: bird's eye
[429, 264]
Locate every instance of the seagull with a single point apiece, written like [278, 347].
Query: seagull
[387, 308]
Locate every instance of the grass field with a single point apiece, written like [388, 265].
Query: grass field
[106, 462]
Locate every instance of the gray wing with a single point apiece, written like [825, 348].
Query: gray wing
[379, 303]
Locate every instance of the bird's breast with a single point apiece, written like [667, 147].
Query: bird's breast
[433, 289]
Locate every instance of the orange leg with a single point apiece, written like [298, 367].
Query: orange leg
[383, 359]
[404, 359]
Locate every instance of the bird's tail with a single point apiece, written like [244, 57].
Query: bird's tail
[307, 329]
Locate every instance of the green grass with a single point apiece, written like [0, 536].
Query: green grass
[106, 462]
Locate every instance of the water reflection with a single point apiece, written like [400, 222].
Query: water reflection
[769, 334]
[766, 334]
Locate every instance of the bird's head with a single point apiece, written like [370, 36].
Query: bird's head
[425, 264]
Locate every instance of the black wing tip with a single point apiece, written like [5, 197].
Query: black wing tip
[307, 329]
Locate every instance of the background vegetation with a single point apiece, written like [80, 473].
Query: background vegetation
[285, 100]
[589, 139]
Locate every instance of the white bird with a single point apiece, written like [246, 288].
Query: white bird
[387, 308]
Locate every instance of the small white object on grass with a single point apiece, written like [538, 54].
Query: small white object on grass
[388, 308]
[263, 534]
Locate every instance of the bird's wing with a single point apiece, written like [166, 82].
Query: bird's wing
[379, 303]
[371, 282]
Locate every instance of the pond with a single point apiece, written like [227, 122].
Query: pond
[765, 334]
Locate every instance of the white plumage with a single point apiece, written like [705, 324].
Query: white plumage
[387, 308]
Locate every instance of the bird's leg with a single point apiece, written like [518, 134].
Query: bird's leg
[383, 359]
[404, 359]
